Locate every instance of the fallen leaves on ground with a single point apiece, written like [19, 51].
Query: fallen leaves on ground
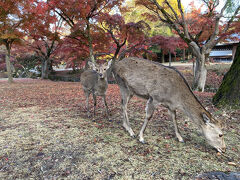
[45, 132]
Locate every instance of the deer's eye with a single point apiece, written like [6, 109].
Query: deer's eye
[105, 69]
[96, 69]
[220, 135]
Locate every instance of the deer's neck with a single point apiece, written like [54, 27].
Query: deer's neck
[194, 109]
[102, 80]
[102, 86]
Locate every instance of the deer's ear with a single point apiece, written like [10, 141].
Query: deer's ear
[91, 65]
[206, 119]
[109, 63]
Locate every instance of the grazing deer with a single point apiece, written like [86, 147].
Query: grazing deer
[163, 85]
[94, 80]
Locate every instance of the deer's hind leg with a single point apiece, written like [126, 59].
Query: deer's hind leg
[149, 113]
[94, 103]
[126, 96]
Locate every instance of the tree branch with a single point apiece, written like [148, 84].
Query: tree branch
[185, 28]
[213, 40]
[173, 11]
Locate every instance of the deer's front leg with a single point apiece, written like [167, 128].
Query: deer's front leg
[173, 116]
[106, 106]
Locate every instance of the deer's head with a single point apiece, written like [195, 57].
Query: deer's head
[101, 69]
[213, 133]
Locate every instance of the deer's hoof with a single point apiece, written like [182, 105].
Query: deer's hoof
[133, 136]
[181, 141]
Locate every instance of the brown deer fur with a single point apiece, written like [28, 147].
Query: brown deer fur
[163, 85]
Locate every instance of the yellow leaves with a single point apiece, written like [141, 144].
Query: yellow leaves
[8, 36]
[172, 3]
[140, 13]
[108, 56]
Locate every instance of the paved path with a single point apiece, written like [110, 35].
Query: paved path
[15, 79]
[190, 64]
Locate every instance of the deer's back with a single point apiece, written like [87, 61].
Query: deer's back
[146, 78]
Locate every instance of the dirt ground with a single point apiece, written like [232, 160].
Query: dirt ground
[45, 134]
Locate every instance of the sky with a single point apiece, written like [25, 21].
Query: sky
[199, 2]
[186, 3]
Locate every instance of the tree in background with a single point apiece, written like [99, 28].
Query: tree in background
[43, 34]
[72, 52]
[168, 44]
[127, 38]
[11, 21]
[135, 14]
[81, 17]
[158, 29]
[186, 28]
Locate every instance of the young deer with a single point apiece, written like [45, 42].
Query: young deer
[95, 81]
[163, 85]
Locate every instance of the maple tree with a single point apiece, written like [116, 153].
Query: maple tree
[72, 52]
[159, 32]
[81, 17]
[127, 38]
[137, 13]
[133, 38]
[11, 21]
[75, 51]
[168, 44]
[14, 63]
[43, 34]
[194, 31]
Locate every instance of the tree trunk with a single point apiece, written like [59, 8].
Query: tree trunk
[190, 56]
[184, 55]
[200, 73]
[170, 58]
[162, 57]
[50, 67]
[8, 64]
[229, 91]
[45, 68]
[86, 64]
[90, 42]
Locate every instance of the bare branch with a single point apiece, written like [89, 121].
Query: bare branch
[172, 23]
[213, 40]
[185, 28]
[231, 20]
[211, 4]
